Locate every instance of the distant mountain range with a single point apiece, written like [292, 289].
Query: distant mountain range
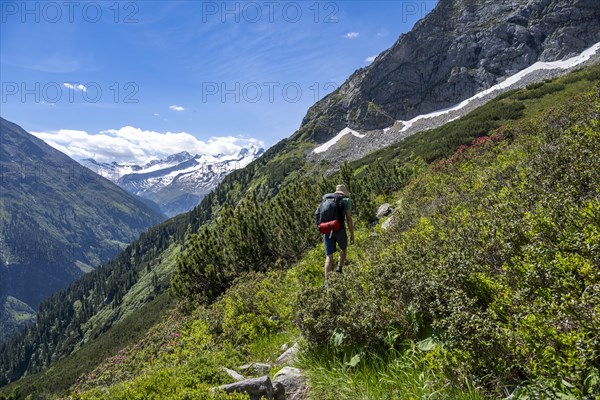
[177, 183]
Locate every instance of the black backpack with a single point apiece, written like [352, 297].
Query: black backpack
[331, 208]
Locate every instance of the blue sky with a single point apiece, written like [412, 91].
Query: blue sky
[207, 69]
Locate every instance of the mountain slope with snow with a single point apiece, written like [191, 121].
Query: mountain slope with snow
[460, 49]
[364, 142]
[179, 182]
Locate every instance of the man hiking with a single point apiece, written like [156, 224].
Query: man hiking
[334, 212]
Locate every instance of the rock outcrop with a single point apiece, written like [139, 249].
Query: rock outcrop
[288, 384]
[233, 374]
[255, 369]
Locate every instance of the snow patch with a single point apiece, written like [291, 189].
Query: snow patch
[325, 146]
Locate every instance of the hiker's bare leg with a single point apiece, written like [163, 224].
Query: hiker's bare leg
[342, 259]
[328, 266]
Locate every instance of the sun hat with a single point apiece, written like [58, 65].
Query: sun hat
[341, 189]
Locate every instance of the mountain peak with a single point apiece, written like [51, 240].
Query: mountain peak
[172, 159]
[251, 150]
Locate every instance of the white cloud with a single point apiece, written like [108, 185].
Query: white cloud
[156, 114]
[79, 87]
[351, 35]
[370, 59]
[176, 108]
[130, 144]
[382, 33]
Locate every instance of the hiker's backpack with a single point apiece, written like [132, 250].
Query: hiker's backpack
[330, 213]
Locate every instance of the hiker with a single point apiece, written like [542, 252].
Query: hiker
[332, 215]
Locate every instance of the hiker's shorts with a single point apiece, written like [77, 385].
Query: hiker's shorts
[340, 237]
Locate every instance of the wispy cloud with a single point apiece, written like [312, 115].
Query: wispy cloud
[130, 144]
[370, 59]
[79, 87]
[351, 35]
[382, 33]
[176, 108]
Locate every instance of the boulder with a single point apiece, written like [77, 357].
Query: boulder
[294, 382]
[234, 375]
[383, 211]
[256, 388]
[289, 355]
[255, 369]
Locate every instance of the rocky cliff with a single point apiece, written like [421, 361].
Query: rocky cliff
[459, 49]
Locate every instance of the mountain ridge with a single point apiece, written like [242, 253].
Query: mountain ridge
[178, 182]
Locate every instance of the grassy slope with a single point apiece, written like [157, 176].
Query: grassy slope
[183, 355]
[149, 282]
[14, 316]
[252, 345]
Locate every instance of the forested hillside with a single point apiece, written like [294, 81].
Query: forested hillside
[471, 276]
[58, 221]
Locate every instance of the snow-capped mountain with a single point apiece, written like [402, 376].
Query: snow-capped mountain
[114, 171]
[179, 182]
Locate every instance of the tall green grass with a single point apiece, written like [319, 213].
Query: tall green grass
[407, 374]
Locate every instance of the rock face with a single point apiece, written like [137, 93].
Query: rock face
[459, 49]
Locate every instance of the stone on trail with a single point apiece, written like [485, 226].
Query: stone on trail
[383, 210]
[289, 355]
[256, 388]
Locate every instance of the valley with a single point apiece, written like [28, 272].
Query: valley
[477, 129]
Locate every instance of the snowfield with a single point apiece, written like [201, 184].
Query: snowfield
[325, 146]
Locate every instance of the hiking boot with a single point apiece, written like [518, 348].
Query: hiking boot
[339, 269]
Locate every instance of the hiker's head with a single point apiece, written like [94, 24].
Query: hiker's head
[341, 189]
